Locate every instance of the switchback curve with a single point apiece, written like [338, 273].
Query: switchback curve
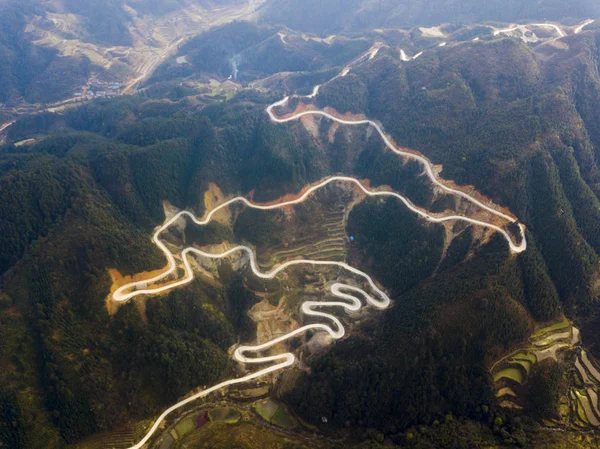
[516, 248]
[308, 308]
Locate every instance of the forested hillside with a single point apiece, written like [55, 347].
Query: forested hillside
[82, 190]
[28, 71]
[84, 199]
[497, 117]
[520, 127]
[246, 52]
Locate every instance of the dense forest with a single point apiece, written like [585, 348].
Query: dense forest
[499, 123]
[247, 51]
[419, 366]
[524, 133]
[85, 196]
[88, 194]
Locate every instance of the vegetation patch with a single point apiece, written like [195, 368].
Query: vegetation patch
[259, 285]
[225, 414]
[243, 435]
[275, 413]
[184, 426]
[526, 356]
[580, 409]
[554, 327]
[117, 439]
[526, 364]
[515, 374]
[284, 419]
[547, 341]
[266, 408]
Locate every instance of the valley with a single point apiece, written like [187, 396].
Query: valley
[120, 69]
[340, 290]
[378, 238]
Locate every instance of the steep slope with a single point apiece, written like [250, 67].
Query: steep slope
[515, 122]
[511, 121]
[494, 115]
[244, 51]
[80, 203]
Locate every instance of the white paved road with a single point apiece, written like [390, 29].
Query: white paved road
[343, 291]
[6, 125]
[556, 28]
[517, 248]
[578, 29]
[351, 295]
[347, 292]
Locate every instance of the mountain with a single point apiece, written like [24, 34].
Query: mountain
[247, 52]
[481, 346]
[61, 51]
[29, 71]
[515, 121]
[334, 16]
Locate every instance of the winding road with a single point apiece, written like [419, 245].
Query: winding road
[343, 291]
[6, 125]
[340, 290]
[350, 296]
[522, 246]
[556, 28]
[578, 29]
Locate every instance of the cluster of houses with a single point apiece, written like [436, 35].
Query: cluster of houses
[100, 89]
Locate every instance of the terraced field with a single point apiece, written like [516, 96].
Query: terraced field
[587, 395]
[559, 341]
[117, 439]
[329, 244]
[514, 373]
[224, 414]
[275, 413]
[243, 435]
[323, 238]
